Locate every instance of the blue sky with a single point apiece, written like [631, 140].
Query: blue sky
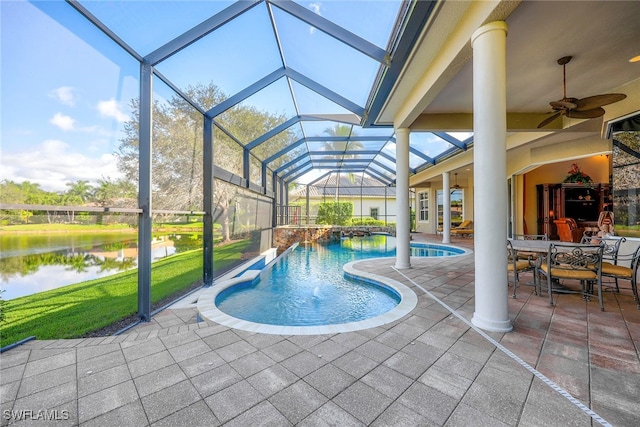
[63, 102]
[66, 87]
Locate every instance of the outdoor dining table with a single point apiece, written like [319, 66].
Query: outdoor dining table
[542, 247]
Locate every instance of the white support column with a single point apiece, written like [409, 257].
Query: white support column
[490, 177]
[446, 208]
[403, 230]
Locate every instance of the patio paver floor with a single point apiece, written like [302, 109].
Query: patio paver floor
[429, 368]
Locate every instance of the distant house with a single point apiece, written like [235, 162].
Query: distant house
[369, 197]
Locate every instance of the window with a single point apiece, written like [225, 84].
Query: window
[625, 163]
[456, 207]
[423, 205]
[373, 213]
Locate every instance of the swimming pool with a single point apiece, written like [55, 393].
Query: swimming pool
[308, 288]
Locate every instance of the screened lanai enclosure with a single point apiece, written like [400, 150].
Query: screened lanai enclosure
[197, 117]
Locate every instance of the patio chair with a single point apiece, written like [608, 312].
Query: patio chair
[568, 230]
[464, 229]
[610, 246]
[531, 256]
[516, 265]
[581, 263]
[610, 249]
[622, 272]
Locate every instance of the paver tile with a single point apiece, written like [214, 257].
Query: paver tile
[272, 380]
[331, 414]
[106, 400]
[233, 401]
[169, 400]
[363, 402]
[297, 401]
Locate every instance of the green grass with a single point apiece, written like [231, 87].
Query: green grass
[628, 231]
[76, 310]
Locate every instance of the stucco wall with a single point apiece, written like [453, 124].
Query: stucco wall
[597, 167]
[431, 225]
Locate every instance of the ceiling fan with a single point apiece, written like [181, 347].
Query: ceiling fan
[456, 186]
[585, 108]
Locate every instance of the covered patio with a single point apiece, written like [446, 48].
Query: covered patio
[458, 94]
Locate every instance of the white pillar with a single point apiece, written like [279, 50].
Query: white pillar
[490, 177]
[446, 208]
[403, 230]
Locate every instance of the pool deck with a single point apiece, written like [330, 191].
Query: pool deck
[568, 364]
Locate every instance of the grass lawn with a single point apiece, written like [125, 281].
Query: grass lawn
[76, 310]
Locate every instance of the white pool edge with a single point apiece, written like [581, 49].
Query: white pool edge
[208, 310]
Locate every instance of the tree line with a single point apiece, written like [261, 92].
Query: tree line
[176, 158]
[107, 192]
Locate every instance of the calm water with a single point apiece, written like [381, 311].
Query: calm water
[308, 287]
[33, 263]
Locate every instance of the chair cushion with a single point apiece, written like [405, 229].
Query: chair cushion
[616, 270]
[462, 231]
[527, 255]
[520, 265]
[575, 274]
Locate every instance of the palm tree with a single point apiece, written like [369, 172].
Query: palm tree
[346, 131]
[80, 190]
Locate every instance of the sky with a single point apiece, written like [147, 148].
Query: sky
[66, 88]
[63, 102]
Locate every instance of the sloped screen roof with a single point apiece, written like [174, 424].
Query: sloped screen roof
[320, 70]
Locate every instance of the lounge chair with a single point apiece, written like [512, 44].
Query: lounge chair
[464, 229]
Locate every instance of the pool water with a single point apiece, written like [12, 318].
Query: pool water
[308, 286]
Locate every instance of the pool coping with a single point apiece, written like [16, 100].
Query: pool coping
[208, 310]
[408, 300]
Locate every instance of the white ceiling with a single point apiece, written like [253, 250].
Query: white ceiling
[601, 36]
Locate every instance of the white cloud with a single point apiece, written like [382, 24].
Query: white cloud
[65, 95]
[111, 108]
[65, 123]
[315, 8]
[52, 163]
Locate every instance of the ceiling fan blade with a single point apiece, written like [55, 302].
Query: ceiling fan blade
[586, 114]
[562, 105]
[596, 101]
[549, 119]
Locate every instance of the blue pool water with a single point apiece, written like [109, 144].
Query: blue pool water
[308, 286]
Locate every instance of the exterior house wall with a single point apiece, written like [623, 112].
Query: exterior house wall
[361, 206]
[431, 225]
[428, 225]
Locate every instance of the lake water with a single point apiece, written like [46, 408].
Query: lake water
[32, 263]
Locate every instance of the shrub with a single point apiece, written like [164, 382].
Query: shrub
[367, 221]
[334, 213]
